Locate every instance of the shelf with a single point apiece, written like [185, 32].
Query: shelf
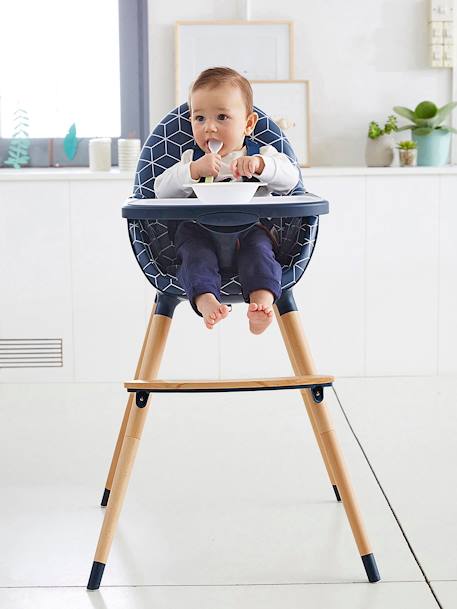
[83, 173]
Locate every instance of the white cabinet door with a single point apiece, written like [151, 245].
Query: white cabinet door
[330, 295]
[447, 331]
[108, 285]
[35, 275]
[402, 275]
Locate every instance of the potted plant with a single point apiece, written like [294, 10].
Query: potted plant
[432, 138]
[379, 151]
[408, 153]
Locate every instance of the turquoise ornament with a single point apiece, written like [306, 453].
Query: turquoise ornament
[18, 151]
[70, 143]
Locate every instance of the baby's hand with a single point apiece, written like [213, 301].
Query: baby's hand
[208, 165]
[247, 166]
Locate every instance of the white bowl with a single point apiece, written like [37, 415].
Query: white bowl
[225, 192]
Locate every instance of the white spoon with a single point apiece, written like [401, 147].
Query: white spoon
[214, 146]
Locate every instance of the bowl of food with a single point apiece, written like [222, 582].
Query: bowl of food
[225, 192]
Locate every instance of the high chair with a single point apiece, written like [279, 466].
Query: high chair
[294, 220]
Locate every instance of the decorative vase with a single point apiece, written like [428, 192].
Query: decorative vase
[433, 149]
[408, 158]
[128, 151]
[380, 151]
[100, 154]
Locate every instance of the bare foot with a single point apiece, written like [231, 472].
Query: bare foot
[211, 309]
[260, 317]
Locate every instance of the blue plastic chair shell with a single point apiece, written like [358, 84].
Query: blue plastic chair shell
[151, 239]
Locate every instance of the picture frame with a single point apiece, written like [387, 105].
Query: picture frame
[289, 100]
[233, 43]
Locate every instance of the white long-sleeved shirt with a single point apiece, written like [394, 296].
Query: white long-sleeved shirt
[279, 173]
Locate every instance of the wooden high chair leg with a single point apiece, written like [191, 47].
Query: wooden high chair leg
[128, 408]
[152, 355]
[312, 417]
[296, 342]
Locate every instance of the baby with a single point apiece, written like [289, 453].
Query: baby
[221, 109]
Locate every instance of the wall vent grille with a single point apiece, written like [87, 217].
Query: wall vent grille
[31, 352]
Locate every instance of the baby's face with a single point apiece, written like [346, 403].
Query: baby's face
[220, 114]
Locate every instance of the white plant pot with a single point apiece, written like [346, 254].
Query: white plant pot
[380, 152]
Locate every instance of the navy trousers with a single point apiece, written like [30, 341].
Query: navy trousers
[199, 273]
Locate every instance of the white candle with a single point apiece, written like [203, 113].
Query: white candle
[100, 154]
[128, 151]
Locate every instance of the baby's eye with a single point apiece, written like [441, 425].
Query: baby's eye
[221, 117]
[199, 118]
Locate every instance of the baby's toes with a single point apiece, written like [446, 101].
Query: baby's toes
[218, 316]
[224, 311]
[253, 306]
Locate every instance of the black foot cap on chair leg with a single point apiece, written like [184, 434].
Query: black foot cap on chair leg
[96, 575]
[104, 502]
[371, 568]
[337, 495]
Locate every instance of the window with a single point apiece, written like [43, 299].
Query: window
[82, 62]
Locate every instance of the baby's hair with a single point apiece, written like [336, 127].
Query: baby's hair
[214, 77]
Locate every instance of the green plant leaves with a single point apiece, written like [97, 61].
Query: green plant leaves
[405, 112]
[446, 129]
[423, 130]
[425, 110]
[391, 124]
[374, 130]
[407, 145]
[424, 122]
[445, 110]
[425, 117]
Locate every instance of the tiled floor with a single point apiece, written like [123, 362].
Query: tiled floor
[229, 504]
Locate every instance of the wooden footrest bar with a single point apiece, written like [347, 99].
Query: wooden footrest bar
[215, 385]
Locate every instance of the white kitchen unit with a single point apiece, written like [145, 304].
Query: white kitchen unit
[378, 298]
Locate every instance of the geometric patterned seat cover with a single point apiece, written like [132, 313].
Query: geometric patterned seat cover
[150, 239]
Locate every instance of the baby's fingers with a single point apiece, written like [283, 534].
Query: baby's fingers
[247, 168]
[252, 166]
[234, 168]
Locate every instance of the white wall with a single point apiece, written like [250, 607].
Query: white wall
[361, 56]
